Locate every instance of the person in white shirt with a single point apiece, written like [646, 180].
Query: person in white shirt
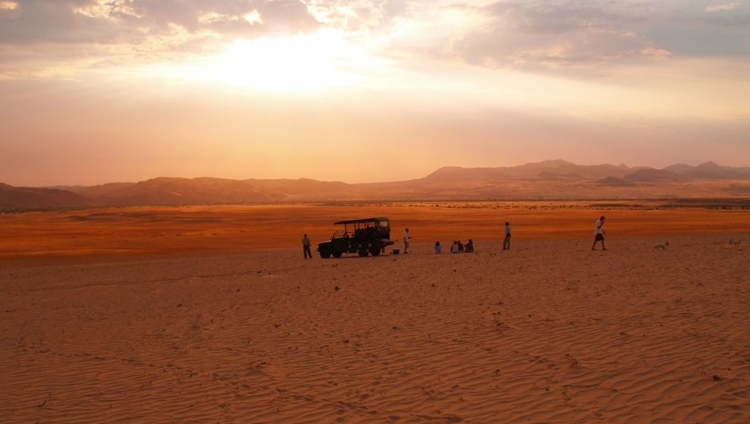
[407, 238]
[599, 233]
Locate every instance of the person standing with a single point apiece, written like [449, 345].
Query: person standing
[599, 233]
[506, 240]
[407, 238]
[306, 247]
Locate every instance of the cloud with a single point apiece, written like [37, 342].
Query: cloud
[8, 5]
[552, 34]
[520, 34]
[721, 7]
[119, 31]
[350, 15]
[118, 21]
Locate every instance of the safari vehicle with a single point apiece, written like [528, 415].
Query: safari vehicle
[367, 236]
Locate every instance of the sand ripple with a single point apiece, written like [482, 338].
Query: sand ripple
[549, 332]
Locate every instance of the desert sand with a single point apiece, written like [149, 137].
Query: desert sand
[115, 233]
[548, 332]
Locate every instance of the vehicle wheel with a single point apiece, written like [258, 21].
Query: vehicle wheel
[363, 253]
[337, 254]
[375, 251]
[325, 254]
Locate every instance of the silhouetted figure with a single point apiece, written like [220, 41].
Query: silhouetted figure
[438, 247]
[469, 246]
[306, 247]
[599, 233]
[407, 239]
[506, 241]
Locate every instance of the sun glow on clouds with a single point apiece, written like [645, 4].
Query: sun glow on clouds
[8, 5]
[300, 63]
[721, 7]
[103, 9]
[213, 17]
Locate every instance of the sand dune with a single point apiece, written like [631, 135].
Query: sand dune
[547, 332]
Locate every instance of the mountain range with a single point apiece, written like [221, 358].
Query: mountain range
[547, 180]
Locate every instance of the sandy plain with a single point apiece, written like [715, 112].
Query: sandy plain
[210, 314]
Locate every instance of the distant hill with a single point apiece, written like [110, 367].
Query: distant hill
[453, 173]
[651, 175]
[304, 188]
[711, 171]
[549, 169]
[615, 182]
[680, 168]
[25, 198]
[551, 179]
[181, 191]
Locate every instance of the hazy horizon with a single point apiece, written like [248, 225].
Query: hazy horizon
[95, 91]
[292, 178]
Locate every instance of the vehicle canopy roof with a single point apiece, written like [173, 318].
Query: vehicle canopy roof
[361, 221]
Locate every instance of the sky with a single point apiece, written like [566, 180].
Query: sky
[97, 91]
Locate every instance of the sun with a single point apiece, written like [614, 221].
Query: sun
[313, 62]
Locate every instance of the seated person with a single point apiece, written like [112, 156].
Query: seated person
[438, 248]
[469, 246]
[460, 246]
[454, 247]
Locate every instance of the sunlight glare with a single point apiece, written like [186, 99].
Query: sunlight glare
[292, 64]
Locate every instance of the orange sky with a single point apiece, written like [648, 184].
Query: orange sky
[126, 90]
